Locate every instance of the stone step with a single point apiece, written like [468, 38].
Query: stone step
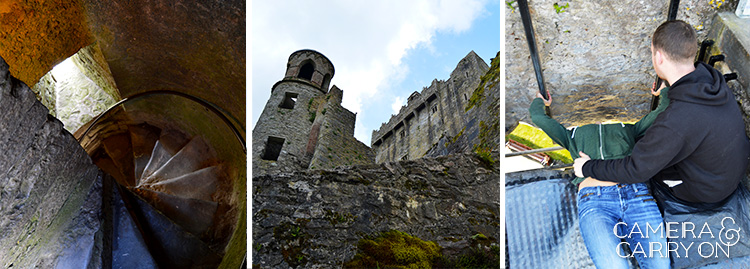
[170, 245]
[159, 157]
[104, 162]
[200, 184]
[129, 249]
[119, 149]
[190, 158]
[143, 137]
[193, 215]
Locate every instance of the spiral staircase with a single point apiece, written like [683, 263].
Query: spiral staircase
[173, 200]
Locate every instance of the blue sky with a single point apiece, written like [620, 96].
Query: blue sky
[382, 51]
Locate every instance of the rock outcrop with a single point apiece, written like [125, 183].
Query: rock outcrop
[314, 219]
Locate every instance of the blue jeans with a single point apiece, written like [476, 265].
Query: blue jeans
[624, 211]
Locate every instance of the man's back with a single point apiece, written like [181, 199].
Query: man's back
[715, 150]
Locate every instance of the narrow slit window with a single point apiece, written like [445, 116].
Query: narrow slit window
[290, 99]
[434, 108]
[273, 148]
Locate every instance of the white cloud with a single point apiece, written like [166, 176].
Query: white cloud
[396, 105]
[365, 40]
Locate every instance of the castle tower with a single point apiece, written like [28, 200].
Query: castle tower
[284, 127]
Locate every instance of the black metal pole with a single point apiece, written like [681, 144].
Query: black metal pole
[528, 28]
[672, 15]
[716, 58]
[704, 47]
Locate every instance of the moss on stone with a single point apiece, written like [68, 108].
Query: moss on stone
[535, 138]
[492, 76]
[395, 249]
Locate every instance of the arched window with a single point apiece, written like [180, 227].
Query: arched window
[326, 81]
[306, 71]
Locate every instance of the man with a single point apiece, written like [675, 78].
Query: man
[606, 210]
[699, 139]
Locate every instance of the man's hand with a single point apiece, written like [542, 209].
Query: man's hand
[656, 92]
[578, 163]
[548, 101]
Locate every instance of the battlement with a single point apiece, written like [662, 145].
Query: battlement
[432, 111]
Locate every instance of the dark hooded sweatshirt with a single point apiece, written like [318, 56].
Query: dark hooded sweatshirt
[699, 139]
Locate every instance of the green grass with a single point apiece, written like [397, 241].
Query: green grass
[535, 138]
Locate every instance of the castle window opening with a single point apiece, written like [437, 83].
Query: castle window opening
[434, 108]
[326, 81]
[306, 71]
[273, 148]
[402, 134]
[466, 98]
[290, 99]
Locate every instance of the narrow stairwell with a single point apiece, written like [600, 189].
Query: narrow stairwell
[142, 190]
[168, 192]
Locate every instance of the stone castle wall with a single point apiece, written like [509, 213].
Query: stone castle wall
[292, 125]
[429, 115]
[317, 133]
[336, 143]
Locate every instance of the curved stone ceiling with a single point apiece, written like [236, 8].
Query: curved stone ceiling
[195, 47]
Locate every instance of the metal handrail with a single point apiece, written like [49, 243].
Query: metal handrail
[527, 152]
[213, 108]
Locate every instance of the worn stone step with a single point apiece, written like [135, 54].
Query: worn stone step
[190, 158]
[120, 149]
[129, 249]
[103, 161]
[143, 138]
[194, 215]
[170, 245]
[200, 184]
[159, 157]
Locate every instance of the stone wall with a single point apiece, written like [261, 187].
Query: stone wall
[436, 112]
[336, 144]
[293, 125]
[79, 88]
[318, 132]
[481, 119]
[50, 188]
[595, 56]
[732, 39]
[314, 219]
[37, 35]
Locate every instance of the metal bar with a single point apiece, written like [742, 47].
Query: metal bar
[528, 28]
[673, 6]
[559, 166]
[704, 47]
[716, 58]
[527, 152]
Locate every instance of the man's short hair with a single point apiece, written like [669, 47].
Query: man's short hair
[677, 40]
